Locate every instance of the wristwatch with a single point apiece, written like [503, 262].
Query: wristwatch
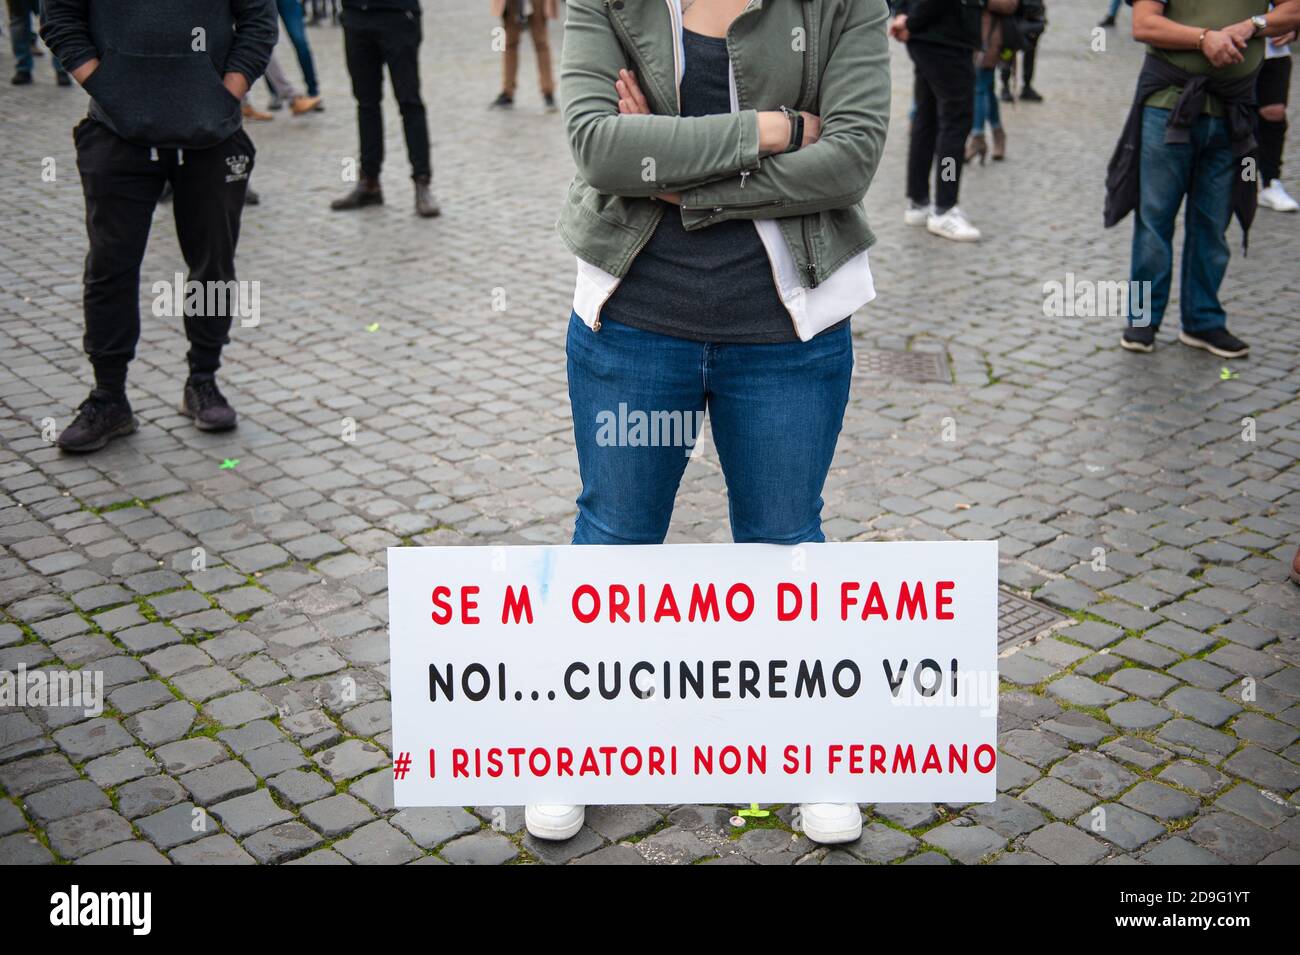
[1259, 23]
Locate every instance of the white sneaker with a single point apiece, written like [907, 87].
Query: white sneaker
[1274, 197]
[554, 823]
[831, 822]
[917, 215]
[954, 225]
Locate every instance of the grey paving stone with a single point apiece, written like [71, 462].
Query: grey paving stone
[672, 846]
[1233, 838]
[967, 844]
[219, 782]
[1138, 715]
[246, 814]
[431, 827]
[377, 844]
[1120, 825]
[80, 835]
[146, 796]
[136, 852]
[1008, 817]
[1065, 845]
[1138, 681]
[612, 855]
[1178, 851]
[621, 822]
[92, 738]
[1136, 752]
[1159, 801]
[338, 814]
[64, 800]
[281, 843]
[1197, 777]
[219, 849]
[908, 815]
[23, 848]
[480, 848]
[351, 759]
[1264, 768]
[1094, 773]
[298, 788]
[1202, 706]
[185, 755]
[164, 724]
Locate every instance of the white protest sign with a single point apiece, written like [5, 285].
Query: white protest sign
[728, 673]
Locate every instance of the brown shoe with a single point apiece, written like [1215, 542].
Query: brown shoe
[252, 112]
[425, 205]
[303, 104]
[1295, 568]
[999, 144]
[976, 147]
[365, 193]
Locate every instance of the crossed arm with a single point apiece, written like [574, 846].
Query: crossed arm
[1221, 47]
[701, 158]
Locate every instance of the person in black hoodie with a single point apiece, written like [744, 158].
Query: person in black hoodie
[942, 37]
[165, 79]
[378, 33]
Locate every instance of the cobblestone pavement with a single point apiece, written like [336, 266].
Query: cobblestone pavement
[225, 685]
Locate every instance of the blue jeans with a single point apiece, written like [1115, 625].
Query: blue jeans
[21, 33]
[986, 101]
[1114, 8]
[775, 411]
[291, 14]
[1202, 170]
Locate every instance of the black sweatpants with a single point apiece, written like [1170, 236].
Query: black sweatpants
[945, 104]
[122, 182]
[372, 41]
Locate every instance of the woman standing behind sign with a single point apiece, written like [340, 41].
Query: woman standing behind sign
[723, 151]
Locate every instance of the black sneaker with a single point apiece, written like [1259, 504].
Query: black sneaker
[63, 79]
[100, 418]
[22, 78]
[1107, 21]
[251, 196]
[1006, 96]
[1139, 339]
[1030, 95]
[1217, 341]
[503, 101]
[205, 403]
[549, 100]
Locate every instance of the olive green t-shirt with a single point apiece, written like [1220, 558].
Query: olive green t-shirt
[1209, 15]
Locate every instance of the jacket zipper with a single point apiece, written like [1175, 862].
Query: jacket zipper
[659, 213]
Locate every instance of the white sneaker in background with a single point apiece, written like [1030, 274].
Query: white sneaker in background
[831, 822]
[554, 823]
[954, 225]
[916, 215]
[1274, 197]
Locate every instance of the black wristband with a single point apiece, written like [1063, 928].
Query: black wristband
[796, 128]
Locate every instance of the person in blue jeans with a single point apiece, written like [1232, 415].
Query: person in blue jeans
[1113, 11]
[291, 14]
[21, 38]
[710, 320]
[1202, 171]
[1191, 130]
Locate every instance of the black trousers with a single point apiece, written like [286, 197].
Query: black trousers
[122, 182]
[372, 41]
[1271, 89]
[945, 104]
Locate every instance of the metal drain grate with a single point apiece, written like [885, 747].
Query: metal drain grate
[891, 365]
[1020, 620]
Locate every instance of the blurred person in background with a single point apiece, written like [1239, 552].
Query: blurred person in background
[515, 16]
